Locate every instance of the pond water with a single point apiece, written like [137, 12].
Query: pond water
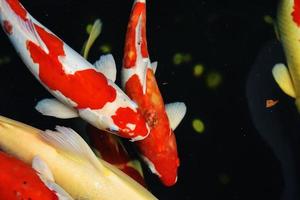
[216, 56]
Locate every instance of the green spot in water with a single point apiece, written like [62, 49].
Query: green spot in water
[89, 28]
[4, 60]
[187, 57]
[105, 48]
[198, 125]
[177, 59]
[180, 58]
[268, 19]
[213, 80]
[224, 179]
[198, 70]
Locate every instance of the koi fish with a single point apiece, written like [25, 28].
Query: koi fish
[81, 88]
[288, 30]
[159, 149]
[111, 149]
[74, 165]
[20, 181]
[281, 136]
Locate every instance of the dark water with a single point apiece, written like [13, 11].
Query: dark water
[247, 151]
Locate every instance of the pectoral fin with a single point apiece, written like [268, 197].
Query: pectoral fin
[283, 79]
[54, 108]
[154, 66]
[175, 111]
[45, 174]
[107, 66]
[39, 165]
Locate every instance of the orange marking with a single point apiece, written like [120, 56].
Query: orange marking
[296, 12]
[270, 103]
[87, 88]
[20, 181]
[17, 8]
[130, 50]
[7, 27]
[125, 116]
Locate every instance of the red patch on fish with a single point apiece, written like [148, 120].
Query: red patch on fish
[7, 27]
[17, 8]
[130, 50]
[127, 116]
[87, 88]
[296, 12]
[19, 181]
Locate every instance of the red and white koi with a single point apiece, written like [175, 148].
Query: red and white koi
[288, 31]
[74, 165]
[20, 181]
[159, 149]
[81, 88]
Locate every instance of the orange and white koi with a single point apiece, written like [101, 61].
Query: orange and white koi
[81, 88]
[288, 31]
[74, 165]
[20, 181]
[159, 149]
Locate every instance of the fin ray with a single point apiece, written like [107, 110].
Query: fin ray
[175, 111]
[54, 108]
[71, 142]
[107, 66]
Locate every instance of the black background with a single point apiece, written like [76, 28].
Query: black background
[225, 36]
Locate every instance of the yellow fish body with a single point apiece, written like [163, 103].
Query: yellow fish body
[288, 27]
[75, 167]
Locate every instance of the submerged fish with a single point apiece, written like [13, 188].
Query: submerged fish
[288, 28]
[82, 90]
[74, 166]
[111, 149]
[279, 125]
[159, 149]
[19, 180]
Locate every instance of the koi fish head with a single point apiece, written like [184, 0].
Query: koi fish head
[163, 159]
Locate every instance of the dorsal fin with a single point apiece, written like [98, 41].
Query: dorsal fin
[175, 111]
[71, 142]
[107, 66]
